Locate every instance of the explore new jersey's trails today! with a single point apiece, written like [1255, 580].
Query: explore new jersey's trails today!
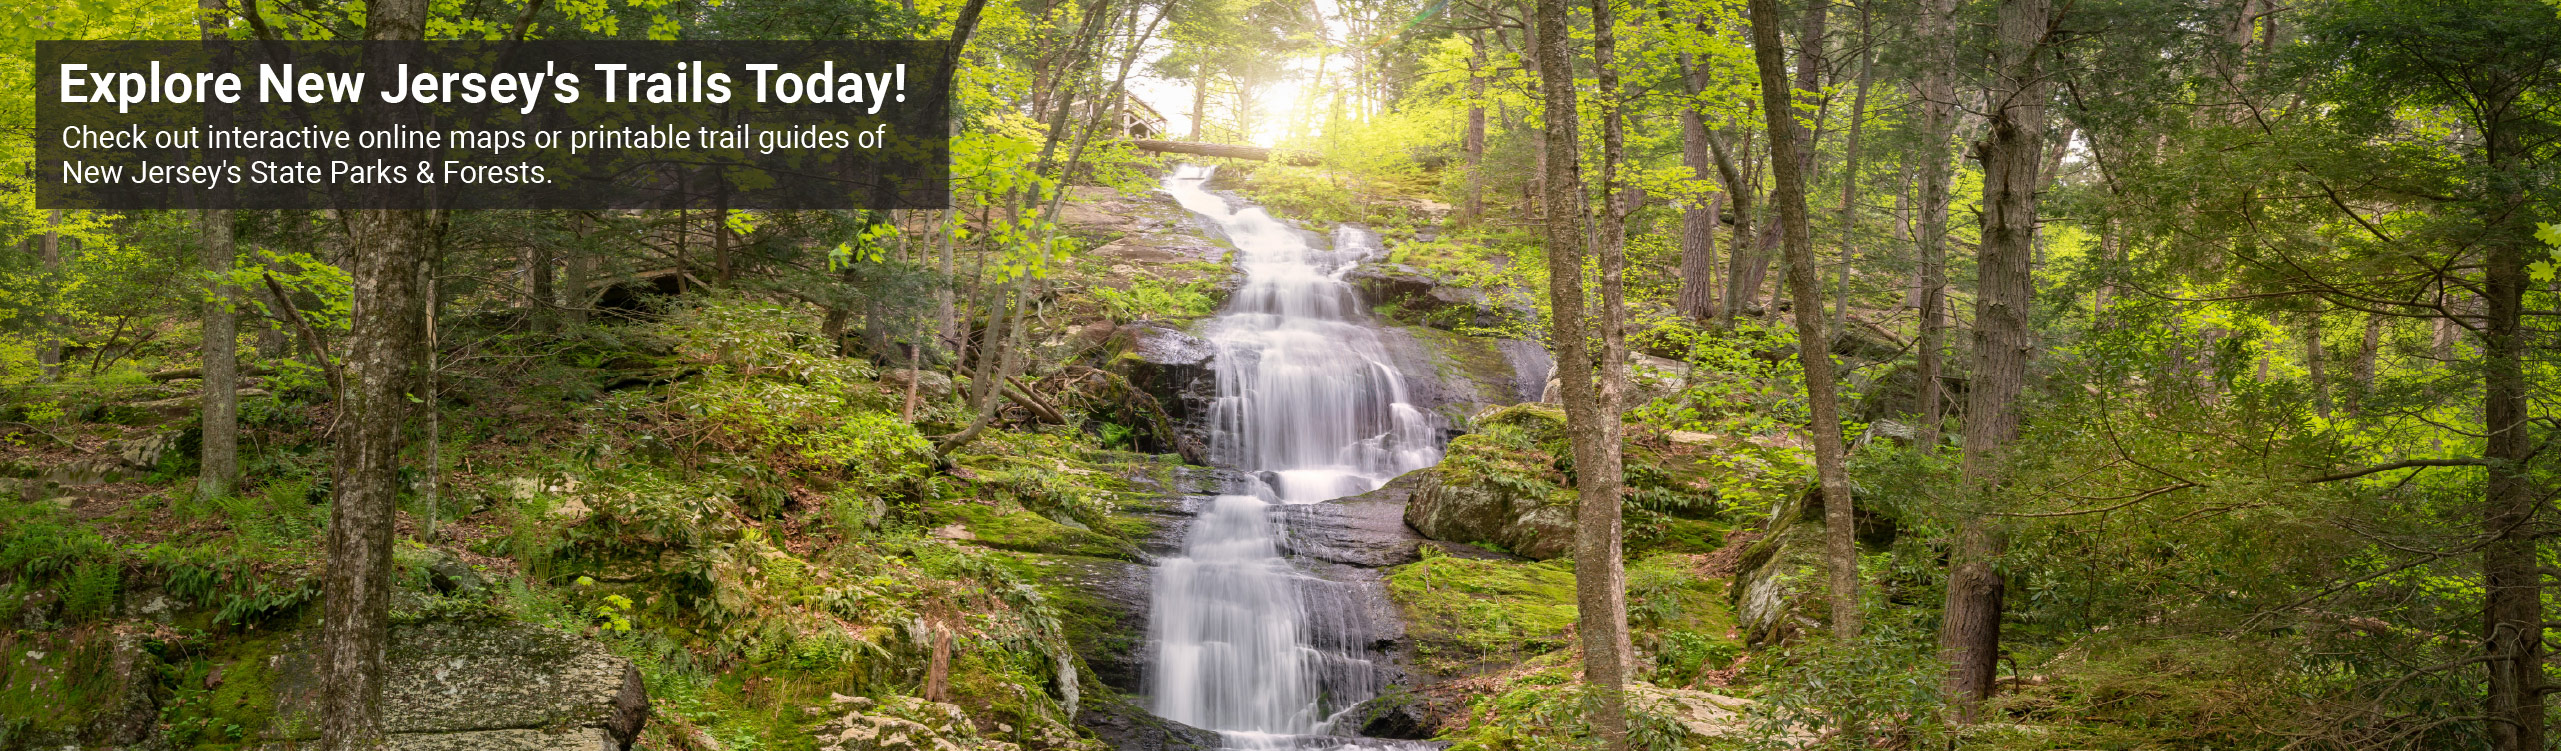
[466, 124]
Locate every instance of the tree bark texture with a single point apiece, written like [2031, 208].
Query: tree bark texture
[1600, 586]
[1698, 222]
[218, 454]
[388, 251]
[1938, 127]
[1805, 286]
[2015, 151]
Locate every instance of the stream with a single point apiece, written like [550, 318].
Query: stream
[1309, 404]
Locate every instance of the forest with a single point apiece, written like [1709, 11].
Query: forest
[1376, 375]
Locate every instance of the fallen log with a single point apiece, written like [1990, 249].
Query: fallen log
[1227, 151]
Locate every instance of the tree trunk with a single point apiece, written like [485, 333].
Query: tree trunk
[2365, 356]
[574, 273]
[219, 451]
[1754, 272]
[1473, 208]
[1698, 223]
[1805, 286]
[543, 309]
[2512, 613]
[387, 250]
[1200, 99]
[2317, 359]
[49, 259]
[1739, 189]
[1938, 126]
[1970, 636]
[1599, 580]
[1076, 153]
[1850, 172]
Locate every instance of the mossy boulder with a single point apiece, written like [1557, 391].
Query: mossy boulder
[1498, 487]
[1780, 581]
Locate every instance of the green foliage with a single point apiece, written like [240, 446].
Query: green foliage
[1150, 299]
[1879, 689]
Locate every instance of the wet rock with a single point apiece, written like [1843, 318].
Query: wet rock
[455, 684]
[1458, 376]
[1127, 726]
[1366, 530]
[1173, 367]
[1104, 604]
[906, 723]
[929, 384]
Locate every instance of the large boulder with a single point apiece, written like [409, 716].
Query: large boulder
[481, 684]
[1493, 490]
[1780, 581]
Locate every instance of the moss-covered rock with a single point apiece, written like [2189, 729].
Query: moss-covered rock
[1021, 530]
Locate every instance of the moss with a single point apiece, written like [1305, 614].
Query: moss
[1024, 531]
[1093, 626]
[1463, 612]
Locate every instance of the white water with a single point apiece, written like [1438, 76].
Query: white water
[1307, 400]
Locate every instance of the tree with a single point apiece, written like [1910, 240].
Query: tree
[1805, 287]
[1937, 91]
[1599, 577]
[219, 455]
[1970, 636]
[2494, 65]
[389, 252]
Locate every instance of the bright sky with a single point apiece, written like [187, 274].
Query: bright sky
[1275, 105]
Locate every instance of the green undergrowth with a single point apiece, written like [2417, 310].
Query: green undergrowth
[714, 494]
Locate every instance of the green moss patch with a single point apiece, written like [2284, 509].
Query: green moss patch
[1464, 612]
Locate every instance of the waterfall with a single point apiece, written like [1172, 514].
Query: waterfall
[1309, 403]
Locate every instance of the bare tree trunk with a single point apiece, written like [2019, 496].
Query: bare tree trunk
[544, 310]
[1850, 172]
[1938, 126]
[1698, 223]
[1739, 189]
[2512, 614]
[2317, 359]
[1473, 208]
[219, 450]
[574, 274]
[219, 454]
[1754, 272]
[1805, 285]
[1599, 579]
[388, 249]
[49, 259]
[1971, 635]
[2367, 351]
[1200, 99]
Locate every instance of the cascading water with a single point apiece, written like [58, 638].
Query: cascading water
[1307, 402]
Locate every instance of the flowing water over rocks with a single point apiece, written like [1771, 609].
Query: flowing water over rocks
[1311, 406]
